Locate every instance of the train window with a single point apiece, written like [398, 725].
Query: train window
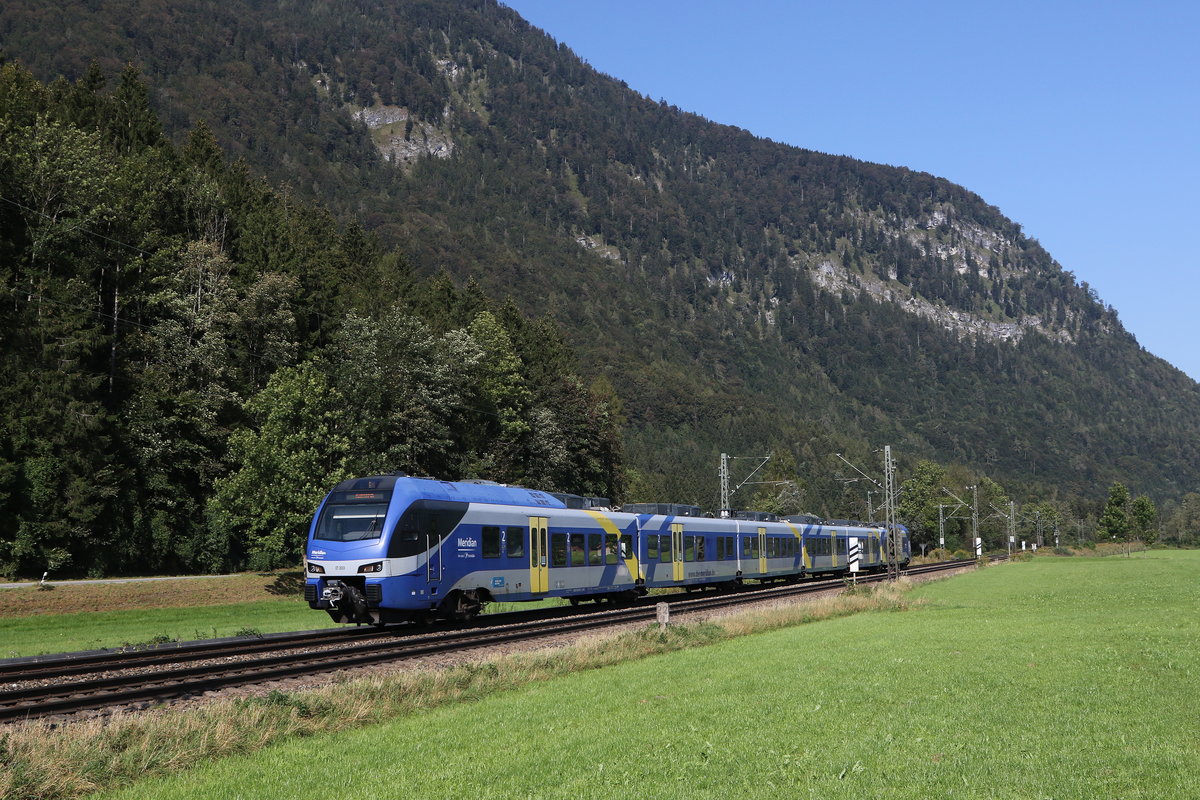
[652, 547]
[578, 556]
[700, 549]
[514, 539]
[746, 547]
[558, 549]
[689, 548]
[491, 541]
[348, 522]
[841, 547]
[423, 525]
[754, 547]
[664, 548]
[729, 550]
[610, 548]
[720, 548]
[595, 549]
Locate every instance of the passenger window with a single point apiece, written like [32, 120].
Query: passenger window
[578, 554]
[746, 547]
[689, 548]
[595, 549]
[700, 548]
[720, 548]
[730, 552]
[514, 539]
[652, 547]
[664, 546]
[491, 541]
[558, 549]
[610, 548]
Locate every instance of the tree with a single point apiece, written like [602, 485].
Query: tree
[920, 496]
[286, 461]
[1114, 520]
[1143, 514]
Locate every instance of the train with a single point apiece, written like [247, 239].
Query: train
[393, 548]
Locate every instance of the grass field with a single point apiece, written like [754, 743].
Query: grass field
[34, 621]
[1056, 678]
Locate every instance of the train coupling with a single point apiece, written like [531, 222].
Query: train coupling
[333, 592]
[348, 599]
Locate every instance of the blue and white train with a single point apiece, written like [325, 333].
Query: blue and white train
[392, 548]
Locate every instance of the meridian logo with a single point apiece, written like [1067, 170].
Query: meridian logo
[469, 543]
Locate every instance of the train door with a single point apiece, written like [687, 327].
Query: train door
[677, 551]
[762, 551]
[539, 555]
[433, 557]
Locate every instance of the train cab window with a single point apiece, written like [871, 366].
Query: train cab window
[558, 549]
[491, 541]
[652, 547]
[611, 548]
[514, 540]
[578, 554]
[595, 549]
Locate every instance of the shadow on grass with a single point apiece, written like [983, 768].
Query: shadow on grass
[287, 584]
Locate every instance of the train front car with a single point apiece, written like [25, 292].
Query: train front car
[395, 549]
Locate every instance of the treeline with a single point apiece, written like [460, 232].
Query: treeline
[190, 358]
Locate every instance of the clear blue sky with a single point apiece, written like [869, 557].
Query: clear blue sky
[1078, 120]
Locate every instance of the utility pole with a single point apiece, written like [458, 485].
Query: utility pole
[1011, 516]
[724, 472]
[726, 492]
[975, 520]
[974, 515]
[895, 551]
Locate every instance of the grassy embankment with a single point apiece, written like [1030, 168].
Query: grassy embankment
[1054, 678]
[35, 621]
[1061, 679]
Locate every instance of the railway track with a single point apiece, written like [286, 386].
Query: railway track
[36, 688]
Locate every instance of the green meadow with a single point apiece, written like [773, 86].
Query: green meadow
[82, 616]
[1055, 678]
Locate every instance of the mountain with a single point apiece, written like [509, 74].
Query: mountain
[739, 295]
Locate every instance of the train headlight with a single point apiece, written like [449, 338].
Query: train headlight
[315, 569]
[376, 566]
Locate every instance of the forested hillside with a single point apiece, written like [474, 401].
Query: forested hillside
[733, 294]
[192, 359]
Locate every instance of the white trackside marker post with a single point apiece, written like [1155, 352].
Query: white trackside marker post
[978, 547]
